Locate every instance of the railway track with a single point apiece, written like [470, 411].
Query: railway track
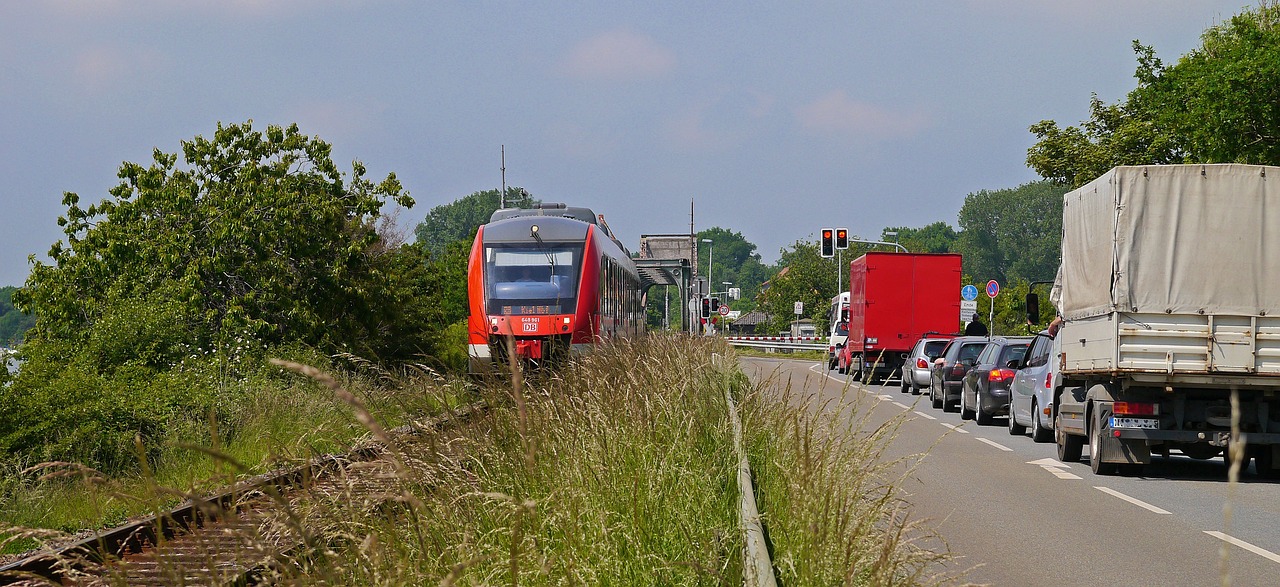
[239, 535]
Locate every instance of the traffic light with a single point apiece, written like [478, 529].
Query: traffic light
[706, 307]
[842, 238]
[715, 305]
[828, 243]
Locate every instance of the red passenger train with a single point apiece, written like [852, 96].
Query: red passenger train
[555, 279]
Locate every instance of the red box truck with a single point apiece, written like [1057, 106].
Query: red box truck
[894, 299]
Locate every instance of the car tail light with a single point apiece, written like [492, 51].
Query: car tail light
[1000, 375]
[958, 370]
[1048, 378]
[1135, 409]
[922, 364]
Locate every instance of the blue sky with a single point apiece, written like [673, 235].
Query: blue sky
[776, 118]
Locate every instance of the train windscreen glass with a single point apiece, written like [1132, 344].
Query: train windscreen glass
[525, 280]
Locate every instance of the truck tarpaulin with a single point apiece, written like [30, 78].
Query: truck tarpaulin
[1180, 239]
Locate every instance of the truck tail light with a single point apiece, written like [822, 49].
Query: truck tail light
[1135, 409]
[1000, 375]
[922, 364]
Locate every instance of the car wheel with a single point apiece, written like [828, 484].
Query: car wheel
[1095, 447]
[966, 413]
[1038, 433]
[983, 418]
[1016, 429]
[933, 397]
[905, 387]
[948, 405]
[915, 389]
[1069, 445]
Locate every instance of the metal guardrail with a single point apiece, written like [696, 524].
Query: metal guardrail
[800, 343]
[757, 566]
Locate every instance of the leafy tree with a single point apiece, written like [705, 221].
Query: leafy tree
[736, 261]
[254, 240]
[805, 276]
[13, 322]
[938, 237]
[1218, 104]
[1012, 233]
[459, 219]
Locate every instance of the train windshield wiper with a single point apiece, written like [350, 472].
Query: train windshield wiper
[551, 259]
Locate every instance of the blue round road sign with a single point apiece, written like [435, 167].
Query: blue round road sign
[993, 289]
[969, 293]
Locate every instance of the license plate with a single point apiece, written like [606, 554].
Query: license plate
[1140, 423]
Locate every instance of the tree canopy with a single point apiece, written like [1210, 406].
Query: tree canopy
[459, 219]
[1012, 234]
[1218, 104]
[13, 322]
[256, 235]
[938, 237]
[201, 262]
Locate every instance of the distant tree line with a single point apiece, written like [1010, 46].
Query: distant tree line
[13, 322]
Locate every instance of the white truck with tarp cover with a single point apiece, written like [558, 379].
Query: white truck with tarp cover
[1169, 292]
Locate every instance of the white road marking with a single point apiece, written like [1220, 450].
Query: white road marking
[885, 398]
[924, 415]
[994, 443]
[1055, 467]
[1134, 501]
[1245, 545]
[956, 428]
[901, 405]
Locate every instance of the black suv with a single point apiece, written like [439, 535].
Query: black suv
[950, 368]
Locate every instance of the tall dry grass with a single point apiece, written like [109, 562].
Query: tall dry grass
[617, 469]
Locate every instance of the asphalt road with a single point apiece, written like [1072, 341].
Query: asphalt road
[1012, 514]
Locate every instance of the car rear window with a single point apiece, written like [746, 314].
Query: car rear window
[933, 348]
[971, 350]
[1013, 352]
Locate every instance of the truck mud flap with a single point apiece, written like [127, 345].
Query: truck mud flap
[1125, 451]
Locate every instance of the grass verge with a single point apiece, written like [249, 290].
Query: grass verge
[271, 419]
[619, 470]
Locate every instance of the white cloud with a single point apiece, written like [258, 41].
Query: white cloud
[619, 54]
[105, 67]
[835, 113]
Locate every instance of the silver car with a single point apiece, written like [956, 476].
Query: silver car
[916, 370]
[1031, 395]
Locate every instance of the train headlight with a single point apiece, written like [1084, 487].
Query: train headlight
[533, 230]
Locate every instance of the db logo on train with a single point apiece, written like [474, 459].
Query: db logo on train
[528, 324]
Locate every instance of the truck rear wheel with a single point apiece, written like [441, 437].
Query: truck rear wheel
[1264, 462]
[1069, 445]
[1095, 447]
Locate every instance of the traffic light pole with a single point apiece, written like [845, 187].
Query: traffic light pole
[839, 270]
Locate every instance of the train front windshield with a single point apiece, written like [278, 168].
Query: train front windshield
[523, 280]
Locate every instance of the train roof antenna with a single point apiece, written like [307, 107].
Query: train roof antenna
[502, 196]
